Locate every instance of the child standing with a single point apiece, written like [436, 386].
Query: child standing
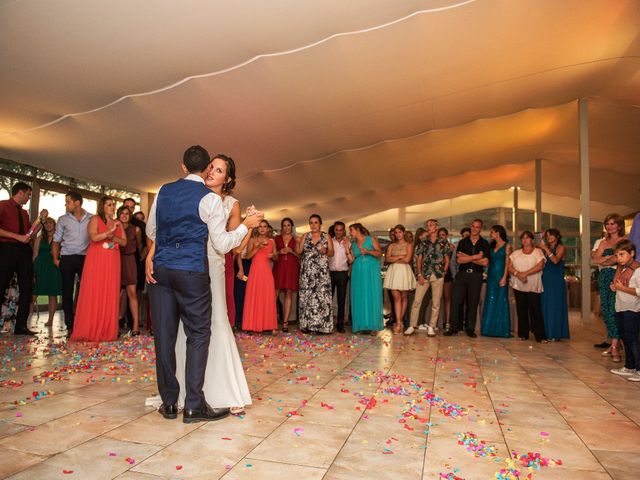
[626, 284]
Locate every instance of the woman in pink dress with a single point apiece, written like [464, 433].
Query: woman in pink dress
[286, 268]
[98, 301]
[259, 312]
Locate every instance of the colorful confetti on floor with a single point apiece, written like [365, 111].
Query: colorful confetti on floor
[330, 406]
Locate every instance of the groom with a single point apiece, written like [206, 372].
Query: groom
[183, 217]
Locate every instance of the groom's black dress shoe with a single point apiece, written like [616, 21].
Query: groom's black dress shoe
[169, 412]
[204, 414]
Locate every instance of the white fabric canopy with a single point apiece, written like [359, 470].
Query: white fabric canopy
[348, 109]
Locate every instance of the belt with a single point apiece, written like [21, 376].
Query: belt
[469, 270]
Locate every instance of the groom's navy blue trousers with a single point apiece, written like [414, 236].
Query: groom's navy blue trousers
[187, 295]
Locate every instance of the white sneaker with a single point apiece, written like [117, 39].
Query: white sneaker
[409, 331]
[422, 327]
[624, 372]
[634, 378]
[430, 331]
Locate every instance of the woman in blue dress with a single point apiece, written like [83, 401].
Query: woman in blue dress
[366, 282]
[555, 310]
[496, 320]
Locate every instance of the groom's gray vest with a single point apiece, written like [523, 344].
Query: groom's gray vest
[181, 238]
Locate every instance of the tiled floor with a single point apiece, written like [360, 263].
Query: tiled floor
[327, 407]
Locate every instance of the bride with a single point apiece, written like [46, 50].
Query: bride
[225, 385]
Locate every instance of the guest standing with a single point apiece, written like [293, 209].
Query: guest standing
[69, 249]
[472, 255]
[339, 270]
[399, 278]
[286, 268]
[626, 284]
[259, 312]
[443, 234]
[433, 262]
[420, 234]
[555, 310]
[97, 311]
[496, 319]
[242, 267]
[15, 251]
[604, 258]
[48, 279]
[525, 266]
[315, 249]
[366, 281]
[128, 264]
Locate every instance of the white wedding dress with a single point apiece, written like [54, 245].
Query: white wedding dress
[225, 384]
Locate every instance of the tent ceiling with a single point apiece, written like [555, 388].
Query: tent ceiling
[345, 108]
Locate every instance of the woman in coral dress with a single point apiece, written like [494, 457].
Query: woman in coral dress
[98, 300]
[259, 313]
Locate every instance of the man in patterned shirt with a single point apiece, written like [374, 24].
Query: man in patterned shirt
[432, 258]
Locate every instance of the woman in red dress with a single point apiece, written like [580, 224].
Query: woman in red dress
[286, 268]
[97, 310]
[259, 312]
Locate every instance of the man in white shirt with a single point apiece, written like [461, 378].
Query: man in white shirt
[339, 269]
[183, 218]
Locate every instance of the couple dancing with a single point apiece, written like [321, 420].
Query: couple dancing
[197, 359]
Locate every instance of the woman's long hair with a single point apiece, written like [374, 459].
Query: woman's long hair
[416, 236]
[230, 181]
[100, 207]
[502, 233]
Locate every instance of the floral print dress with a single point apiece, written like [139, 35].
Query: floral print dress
[315, 287]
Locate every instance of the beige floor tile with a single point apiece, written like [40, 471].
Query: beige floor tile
[358, 459]
[14, 461]
[8, 428]
[61, 434]
[261, 470]
[259, 421]
[607, 435]
[444, 456]
[302, 443]
[202, 454]
[99, 459]
[153, 429]
[47, 409]
[591, 407]
[620, 465]
[555, 444]
[137, 476]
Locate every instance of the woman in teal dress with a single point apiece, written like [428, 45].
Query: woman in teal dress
[555, 310]
[496, 320]
[48, 278]
[366, 282]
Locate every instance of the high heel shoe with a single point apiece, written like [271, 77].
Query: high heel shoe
[285, 327]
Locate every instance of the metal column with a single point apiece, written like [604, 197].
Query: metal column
[514, 217]
[538, 213]
[585, 213]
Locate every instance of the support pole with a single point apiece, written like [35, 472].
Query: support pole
[585, 213]
[402, 215]
[538, 214]
[514, 217]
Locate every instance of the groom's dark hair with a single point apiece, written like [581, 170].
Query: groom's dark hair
[196, 159]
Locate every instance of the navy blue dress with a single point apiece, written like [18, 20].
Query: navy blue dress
[554, 300]
[496, 320]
